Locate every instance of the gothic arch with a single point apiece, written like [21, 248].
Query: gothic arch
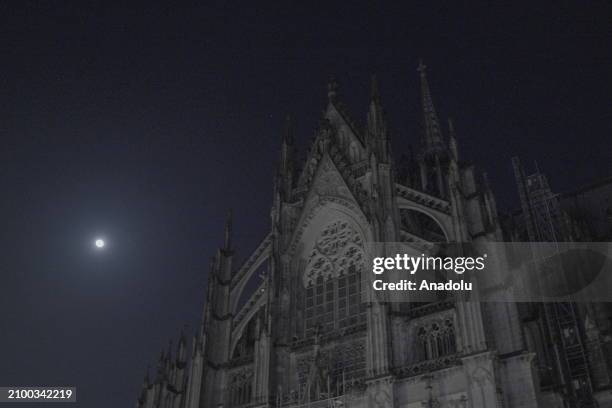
[442, 222]
[256, 277]
[436, 338]
[246, 272]
[240, 387]
[318, 213]
[329, 254]
[242, 328]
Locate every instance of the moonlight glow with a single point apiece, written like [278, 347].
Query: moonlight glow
[100, 243]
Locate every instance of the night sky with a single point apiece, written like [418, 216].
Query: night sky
[145, 124]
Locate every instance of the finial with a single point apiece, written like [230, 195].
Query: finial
[332, 89]
[485, 180]
[375, 92]
[452, 139]
[433, 135]
[422, 68]
[228, 231]
[288, 134]
[212, 264]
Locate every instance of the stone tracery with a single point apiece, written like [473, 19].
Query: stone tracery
[339, 248]
[436, 338]
[241, 386]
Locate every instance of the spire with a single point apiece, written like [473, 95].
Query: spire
[375, 92]
[452, 140]
[430, 118]
[209, 299]
[332, 89]
[287, 147]
[451, 128]
[377, 126]
[180, 351]
[288, 133]
[228, 232]
[283, 182]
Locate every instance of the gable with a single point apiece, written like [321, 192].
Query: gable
[347, 132]
[328, 196]
[329, 182]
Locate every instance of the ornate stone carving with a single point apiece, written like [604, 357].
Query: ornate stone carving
[338, 248]
[240, 386]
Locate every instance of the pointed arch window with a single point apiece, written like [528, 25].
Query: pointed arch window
[332, 280]
[436, 339]
[240, 388]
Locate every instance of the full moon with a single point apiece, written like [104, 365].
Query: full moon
[100, 243]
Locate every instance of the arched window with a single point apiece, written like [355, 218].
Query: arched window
[436, 339]
[333, 280]
[334, 303]
[240, 388]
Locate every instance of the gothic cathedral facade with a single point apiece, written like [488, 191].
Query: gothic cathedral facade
[289, 327]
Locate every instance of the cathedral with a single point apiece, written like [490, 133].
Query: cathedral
[291, 327]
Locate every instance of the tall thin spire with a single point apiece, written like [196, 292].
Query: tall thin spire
[377, 127]
[452, 139]
[206, 308]
[182, 344]
[284, 180]
[228, 232]
[288, 133]
[332, 89]
[375, 92]
[431, 126]
[287, 146]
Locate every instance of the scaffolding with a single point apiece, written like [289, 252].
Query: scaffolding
[340, 393]
[544, 222]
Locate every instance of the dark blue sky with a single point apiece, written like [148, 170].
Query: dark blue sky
[146, 123]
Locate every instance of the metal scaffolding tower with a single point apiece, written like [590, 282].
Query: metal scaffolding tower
[544, 222]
